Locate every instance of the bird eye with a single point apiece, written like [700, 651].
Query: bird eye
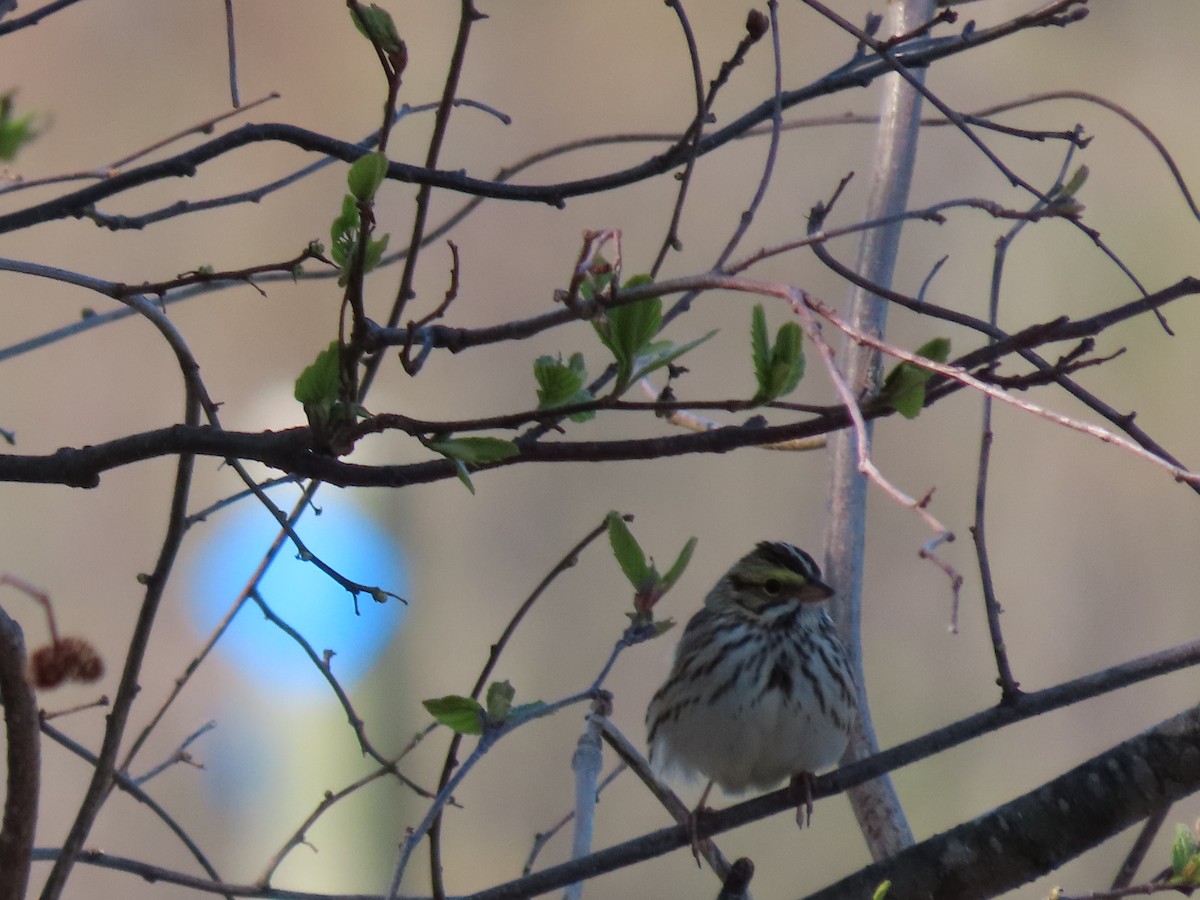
[772, 587]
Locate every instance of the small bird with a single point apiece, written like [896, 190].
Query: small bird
[761, 688]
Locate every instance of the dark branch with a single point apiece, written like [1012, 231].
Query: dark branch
[1026, 706]
[24, 762]
[1041, 830]
[858, 73]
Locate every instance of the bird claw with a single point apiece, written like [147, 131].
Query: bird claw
[801, 787]
[693, 823]
[694, 839]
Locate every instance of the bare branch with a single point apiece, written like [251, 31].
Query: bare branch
[23, 762]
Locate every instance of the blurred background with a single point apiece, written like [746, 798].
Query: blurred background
[1094, 551]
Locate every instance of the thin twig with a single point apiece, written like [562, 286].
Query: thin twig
[1005, 678]
[231, 46]
[855, 76]
[326, 670]
[676, 808]
[1159, 147]
[156, 582]
[681, 414]
[489, 737]
[180, 754]
[34, 17]
[468, 16]
[130, 787]
[99, 703]
[298, 837]
[451, 760]
[1179, 473]
[689, 142]
[963, 126]
[194, 664]
[1141, 846]
[205, 126]
[764, 181]
[543, 837]
[862, 444]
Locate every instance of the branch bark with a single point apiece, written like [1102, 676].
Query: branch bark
[24, 766]
[876, 804]
[1041, 830]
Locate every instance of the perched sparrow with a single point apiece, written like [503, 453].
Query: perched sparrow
[761, 688]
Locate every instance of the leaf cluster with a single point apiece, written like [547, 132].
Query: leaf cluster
[467, 715]
[562, 384]
[628, 331]
[904, 387]
[376, 25]
[648, 585]
[1185, 857]
[320, 390]
[364, 178]
[778, 367]
[15, 131]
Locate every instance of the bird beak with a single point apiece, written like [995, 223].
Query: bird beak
[814, 592]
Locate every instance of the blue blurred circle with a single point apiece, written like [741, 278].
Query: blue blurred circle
[344, 537]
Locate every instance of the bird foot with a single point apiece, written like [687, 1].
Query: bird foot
[699, 845]
[692, 826]
[801, 787]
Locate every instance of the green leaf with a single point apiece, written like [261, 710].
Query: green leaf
[460, 469]
[321, 382]
[499, 701]
[319, 388]
[760, 348]
[787, 360]
[558, 383]
[1180, 849]
[380, 29]
[375, 251]
[937, 349]
[14, 132]
[344, 236]
[779, 368]
[626, 331]
[343, 233]
[681, 563]
[904, 387]
[562, 385]
[627, 551]
[461, 714]
[1077, 180]
[366, 175]
[476, 451]
[632, 326]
